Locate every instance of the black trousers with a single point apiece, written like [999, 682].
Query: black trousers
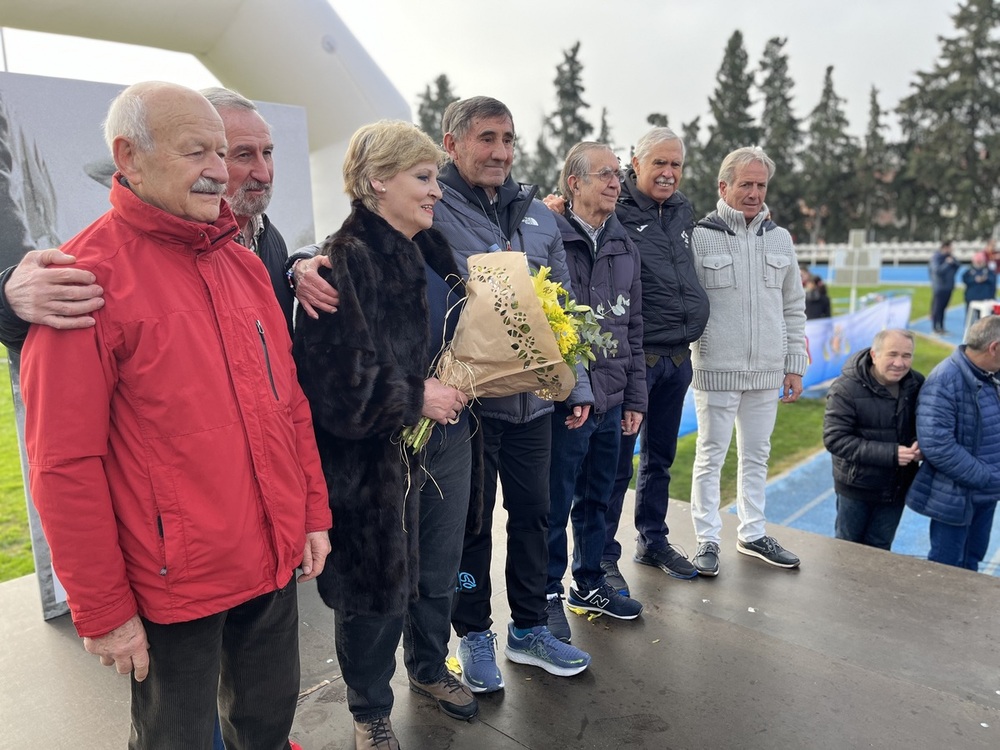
[519, 454]
[242, 663]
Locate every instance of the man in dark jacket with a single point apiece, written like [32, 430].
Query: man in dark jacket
[483, 208]
[958, 424]
[942, 269]
[604, 267]
[659, 220]
[870, 429]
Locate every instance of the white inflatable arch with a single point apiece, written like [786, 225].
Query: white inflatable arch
[286, 51]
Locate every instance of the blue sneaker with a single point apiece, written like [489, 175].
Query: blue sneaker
[540, 648]
[478, 657]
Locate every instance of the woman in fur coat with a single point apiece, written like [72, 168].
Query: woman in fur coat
[364, 370]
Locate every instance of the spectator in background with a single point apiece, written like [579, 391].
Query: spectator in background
[817, 300]
[980, 281]
[870, 429]
[958, 425]
[942, 268]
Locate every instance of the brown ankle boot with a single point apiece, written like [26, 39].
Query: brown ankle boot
[375, 735]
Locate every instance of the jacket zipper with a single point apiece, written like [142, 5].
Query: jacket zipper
[159, 528]
[267, 359]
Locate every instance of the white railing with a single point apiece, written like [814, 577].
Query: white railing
[892, 253]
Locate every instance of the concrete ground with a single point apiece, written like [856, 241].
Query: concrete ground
[859, 648]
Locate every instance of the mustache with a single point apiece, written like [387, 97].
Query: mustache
[252, 184]
[208, 185]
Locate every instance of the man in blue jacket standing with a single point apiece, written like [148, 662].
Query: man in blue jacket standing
[958, 427]
[604, 266]
[482, 208]
[942, 269]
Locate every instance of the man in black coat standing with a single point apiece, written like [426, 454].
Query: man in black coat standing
[870, 430]
[659, 219]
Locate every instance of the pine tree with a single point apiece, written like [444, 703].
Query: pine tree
[874, 168]
[432, 105]
[830, 187]
[562, 129]
[780, 135]
[951, 129]
[657, 120]
[604, 132]
[730, 104]
[698, 182]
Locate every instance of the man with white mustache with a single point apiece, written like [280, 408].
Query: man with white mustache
[659, 220]
[45, 288]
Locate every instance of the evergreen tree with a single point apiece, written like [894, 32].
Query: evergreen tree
[566, 126]
[874, 168]
[432, 105]
[780, 135]
[951, 128]
[562, 129]
[830, 186]
[699, 181]
[604, 132]
[657, 120]
[730, 105]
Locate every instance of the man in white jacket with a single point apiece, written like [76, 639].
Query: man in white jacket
[752, 352]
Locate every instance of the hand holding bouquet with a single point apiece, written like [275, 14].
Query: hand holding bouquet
[517, 333]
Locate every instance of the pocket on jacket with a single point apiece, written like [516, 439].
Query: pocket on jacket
[718, 271]
[775, 268]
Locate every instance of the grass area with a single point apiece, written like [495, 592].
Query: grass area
[797, 435]
[15, 539]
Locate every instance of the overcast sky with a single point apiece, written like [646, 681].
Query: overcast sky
[639, 56]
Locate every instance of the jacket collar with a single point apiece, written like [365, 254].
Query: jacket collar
[184, 235]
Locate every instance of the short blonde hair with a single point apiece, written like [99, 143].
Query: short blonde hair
[382, 150]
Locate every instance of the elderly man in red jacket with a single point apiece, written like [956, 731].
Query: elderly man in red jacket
[175, 468]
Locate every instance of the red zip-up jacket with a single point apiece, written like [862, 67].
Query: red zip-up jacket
[172, 455]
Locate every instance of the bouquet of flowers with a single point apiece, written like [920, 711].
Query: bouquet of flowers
[517, 333]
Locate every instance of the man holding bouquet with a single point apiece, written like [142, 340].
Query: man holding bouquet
[604, 266]
[481, 208]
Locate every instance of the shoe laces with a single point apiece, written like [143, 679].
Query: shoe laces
[672, 552]
[451, 684]
[771, 544]
[708, 548]
[481, 649]
[378, 730]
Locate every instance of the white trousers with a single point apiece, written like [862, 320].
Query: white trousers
[753, 413]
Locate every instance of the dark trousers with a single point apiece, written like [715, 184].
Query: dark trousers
[939, 303]
[580, 483]
[963, 546]
[242, 663]
[519, 454]
[667, 384]
[366, 644]
[873, 524]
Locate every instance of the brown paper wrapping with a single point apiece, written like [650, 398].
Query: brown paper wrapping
[503, 343]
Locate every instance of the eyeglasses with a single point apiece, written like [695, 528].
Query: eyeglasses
[606, 174]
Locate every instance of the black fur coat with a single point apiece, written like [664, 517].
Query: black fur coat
[363, 369]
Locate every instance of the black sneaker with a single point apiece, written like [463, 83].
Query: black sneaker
[614, 576]
[558, 625]
[706, 562]
[768, 550]
[605, 600]
[669, 560]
